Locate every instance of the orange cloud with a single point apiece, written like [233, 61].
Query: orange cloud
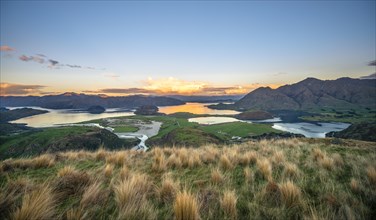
[7, 89]
[174, 86]
[6, 48]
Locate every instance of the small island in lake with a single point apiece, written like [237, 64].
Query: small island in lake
[96, 109]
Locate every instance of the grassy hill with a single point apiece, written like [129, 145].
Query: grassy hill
[282, 179]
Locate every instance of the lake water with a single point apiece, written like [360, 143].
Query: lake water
[196, 108]
[58, 117]
[212, 120]
[65, 116]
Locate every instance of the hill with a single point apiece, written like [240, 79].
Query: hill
[11, 115]
[83, 101]
[283, 179]
[311, 93]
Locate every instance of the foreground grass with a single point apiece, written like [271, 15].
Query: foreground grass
[282, 179]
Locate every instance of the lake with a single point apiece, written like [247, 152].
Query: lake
[196, 108]
[66, 116]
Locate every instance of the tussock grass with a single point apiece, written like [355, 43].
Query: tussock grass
[37, 204]
[248, 175]
[326, 162]
[354, 185]
[290, 171]
[271, 179]
[67, 170]
[228, 204]
[174, 161]
[108, 170]
[290, 194]
[131, 198]
[265, 168]
[186, 206]
[168, 190]
[216, 176]
[371, 174]
[225, 163]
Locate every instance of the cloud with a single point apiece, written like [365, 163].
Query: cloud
[6, 48]
[19, 89]
[31, 58]
[280, 74]
[41, 58]
[111, 75]
[73, 66]
[372, 76]
[173, 86]
[53, 62]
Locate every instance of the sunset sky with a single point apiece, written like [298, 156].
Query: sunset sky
[190, 47]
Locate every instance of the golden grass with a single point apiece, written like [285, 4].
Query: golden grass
[168, 190]
[317, 154]
[174, 162]
[290, 194]
[216, 176]
[124, 172]
[101, 154]
[371, 174]
[265, 168]
[354, 185]
[159, 163]
[108, 170]
[37, 204]
[228, 204]
[337, 159]
[67, 170]
[248, 175]
[290, 170]
[186, 206]
[131, 198]
[194, 160]
[326, 162]
[117, 158]
[225, 163]
[278, 157]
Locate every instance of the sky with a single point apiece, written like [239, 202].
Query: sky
[181, 47]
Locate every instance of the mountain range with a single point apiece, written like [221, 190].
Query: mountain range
[311, 93]
[82, 101]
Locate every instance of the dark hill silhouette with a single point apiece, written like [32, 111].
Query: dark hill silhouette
[83, 101]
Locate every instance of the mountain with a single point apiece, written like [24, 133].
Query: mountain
[83, 101]
[312, 93]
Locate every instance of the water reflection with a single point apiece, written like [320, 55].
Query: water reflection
[196, 108]
[66, 116]
[212, 120]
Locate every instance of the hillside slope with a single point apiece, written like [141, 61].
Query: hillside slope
[284, 179]
[313, 93]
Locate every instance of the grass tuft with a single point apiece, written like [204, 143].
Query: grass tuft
[186, 206]
[228, 204]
